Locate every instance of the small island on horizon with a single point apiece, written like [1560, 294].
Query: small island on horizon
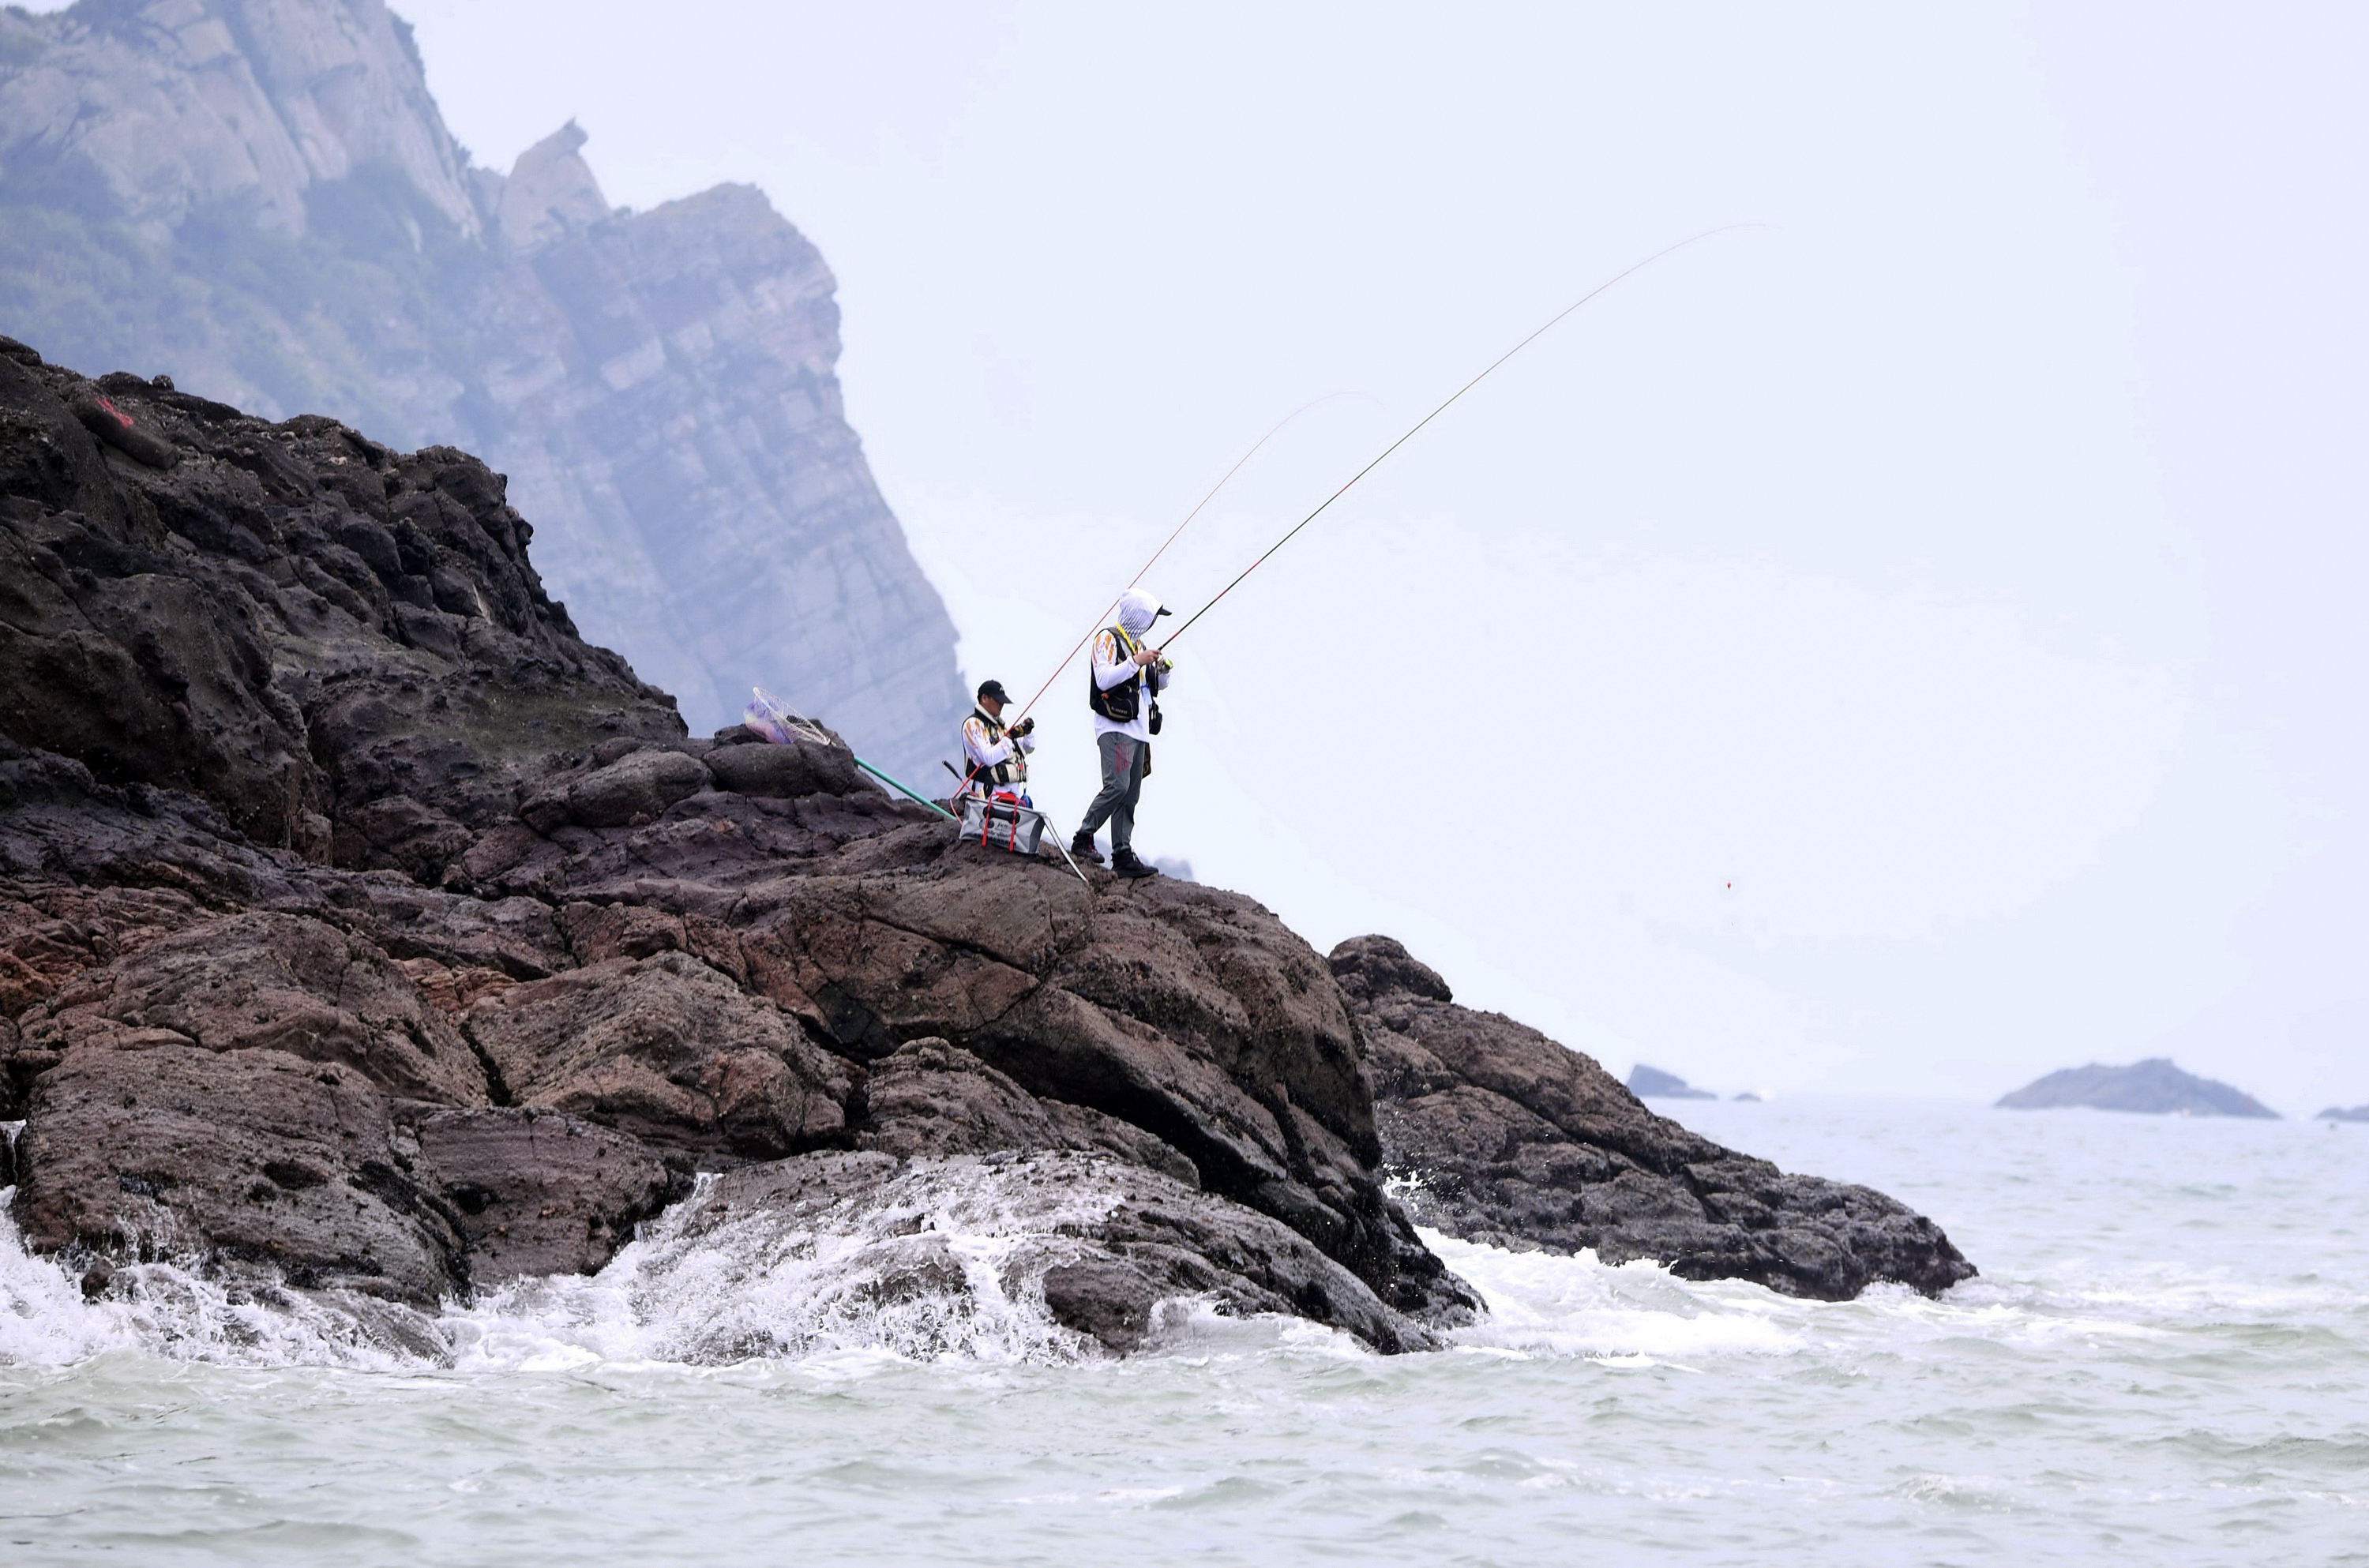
[2153, 1087]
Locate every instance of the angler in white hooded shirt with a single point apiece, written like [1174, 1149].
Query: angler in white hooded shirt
[1127, 677]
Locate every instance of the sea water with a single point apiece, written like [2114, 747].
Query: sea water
[2165, 1361]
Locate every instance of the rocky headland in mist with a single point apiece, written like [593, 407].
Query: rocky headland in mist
[2153, 1087]
[367, 935]
[260, 198]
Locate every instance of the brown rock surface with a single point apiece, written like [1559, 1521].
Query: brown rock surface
[460, 960]
[670, 1050]
[535, 1192]
[263, 982]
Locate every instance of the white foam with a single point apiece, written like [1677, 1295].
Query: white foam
[943, 1261]
[172, 1312]
[1631, 1314]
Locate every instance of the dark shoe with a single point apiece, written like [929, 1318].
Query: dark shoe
[1126, 864]
[1082, 847]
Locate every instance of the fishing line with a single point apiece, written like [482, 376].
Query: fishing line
[1443, 408]
[963, 781]
[1103, 619]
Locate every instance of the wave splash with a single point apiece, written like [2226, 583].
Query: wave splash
[940, 1262]
[945, 1262]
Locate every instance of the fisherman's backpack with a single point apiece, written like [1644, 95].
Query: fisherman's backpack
[1001, 823]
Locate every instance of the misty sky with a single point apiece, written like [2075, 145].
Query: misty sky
[1909, 646]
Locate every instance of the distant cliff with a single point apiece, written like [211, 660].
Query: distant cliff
[2153, 1086]
[259, 198]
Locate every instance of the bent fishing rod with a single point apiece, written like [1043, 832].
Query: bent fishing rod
[1552, 322]
[1142, 572]
[963, 781]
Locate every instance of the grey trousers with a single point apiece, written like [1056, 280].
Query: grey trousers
[1124, 761]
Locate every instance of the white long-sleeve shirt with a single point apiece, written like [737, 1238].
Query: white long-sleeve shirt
[1114, 666]
[981, 755]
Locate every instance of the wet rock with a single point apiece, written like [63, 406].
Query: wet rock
[534, 1192]
[248, 1163]
[890, 1222]
[1109, 1301]
[1505, 1136]
[669, 1050]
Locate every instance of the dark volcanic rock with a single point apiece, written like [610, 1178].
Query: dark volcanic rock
[211, 629]
[1507, 1137]
[534, 1192]
[234, 1161]
[1652, 1082]
[269, 983]
[669, 1050]
[775, 773]
[2153, 1086]
[929, 1097]
[362, 925]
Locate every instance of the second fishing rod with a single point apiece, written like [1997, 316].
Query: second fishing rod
[1415, 429]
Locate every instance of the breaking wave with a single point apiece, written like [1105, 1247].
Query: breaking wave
[940, 1262]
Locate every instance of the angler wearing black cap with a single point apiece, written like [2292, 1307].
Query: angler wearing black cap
[1122, 688]
[996, 759]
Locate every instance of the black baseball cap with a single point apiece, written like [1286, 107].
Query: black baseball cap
[994, 689]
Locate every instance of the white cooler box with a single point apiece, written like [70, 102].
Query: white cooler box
[1001, 824]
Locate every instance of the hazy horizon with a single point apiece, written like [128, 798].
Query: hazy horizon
[1903, 647]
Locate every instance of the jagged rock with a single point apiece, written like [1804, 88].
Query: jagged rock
[2153, 1086]
[660, 385]
[669, 1050]
[1507, 1137]
[1188, 1012]
[511, 1007]
[1652, 1082]
[245, 1162]
[208, 629]
[534, 1192]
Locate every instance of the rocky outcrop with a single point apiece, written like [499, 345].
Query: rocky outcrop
[260, 197]
[386, 939]
[460, 958]
[2339, 1114]
[2154, 1087]
[1499, 1135]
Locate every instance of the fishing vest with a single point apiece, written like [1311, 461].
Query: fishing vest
[1124, 701]
[1011, 769]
